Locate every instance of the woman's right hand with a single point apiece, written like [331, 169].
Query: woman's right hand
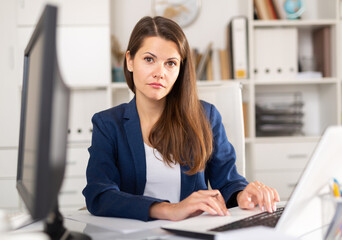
[210, 201]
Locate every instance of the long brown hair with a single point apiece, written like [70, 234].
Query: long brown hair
[183, 133]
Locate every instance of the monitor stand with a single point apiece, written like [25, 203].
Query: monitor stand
[55, 229]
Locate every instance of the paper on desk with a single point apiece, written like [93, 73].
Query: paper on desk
[255, 233]
[121, 225]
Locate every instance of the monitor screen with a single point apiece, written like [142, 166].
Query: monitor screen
[44, 121]
[44, 129]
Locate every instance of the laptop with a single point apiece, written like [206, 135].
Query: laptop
[302, 212]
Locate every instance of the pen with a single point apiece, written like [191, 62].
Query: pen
[336, 188]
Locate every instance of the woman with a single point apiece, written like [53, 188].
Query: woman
[152, 158]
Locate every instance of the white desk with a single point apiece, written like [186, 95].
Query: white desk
[124, 228]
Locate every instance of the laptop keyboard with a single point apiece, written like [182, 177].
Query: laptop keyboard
[261, 219]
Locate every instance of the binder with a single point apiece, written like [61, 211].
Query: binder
[322, 50]
[276, 52]
[239, 47]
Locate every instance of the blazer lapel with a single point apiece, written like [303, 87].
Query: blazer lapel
[136, 145]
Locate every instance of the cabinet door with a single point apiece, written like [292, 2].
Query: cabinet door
[8, 170]
[9, 92]
[9, 196]
[8, 163]
[77, 160]
[71, 192]
[283, 181]
[277, 156]
[84, 55]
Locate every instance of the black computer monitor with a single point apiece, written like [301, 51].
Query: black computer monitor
[43, 127]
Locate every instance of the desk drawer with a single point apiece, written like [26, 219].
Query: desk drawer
[283, 181]
[270, 156]
[71, 192]
[77, 160]
[9, 195]
[8, 163]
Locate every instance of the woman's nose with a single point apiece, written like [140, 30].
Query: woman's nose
[159, 72]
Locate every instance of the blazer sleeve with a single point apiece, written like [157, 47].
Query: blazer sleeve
[102, 192]
[221, 169]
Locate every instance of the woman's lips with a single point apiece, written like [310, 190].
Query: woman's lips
[156, 85]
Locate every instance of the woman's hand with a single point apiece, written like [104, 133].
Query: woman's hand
[210, 201]
[257, 193]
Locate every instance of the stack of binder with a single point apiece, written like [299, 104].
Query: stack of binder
[276, 53]
[279, 114]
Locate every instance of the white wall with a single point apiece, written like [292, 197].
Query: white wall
[210, 26]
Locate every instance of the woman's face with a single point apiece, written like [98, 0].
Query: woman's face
[155, 68]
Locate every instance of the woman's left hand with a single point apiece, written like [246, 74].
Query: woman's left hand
[257, 193]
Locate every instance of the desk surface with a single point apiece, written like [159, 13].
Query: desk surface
[78, 222]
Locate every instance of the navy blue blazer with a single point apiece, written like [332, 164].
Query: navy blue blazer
[116, 172]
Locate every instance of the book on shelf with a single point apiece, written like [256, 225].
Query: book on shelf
[196, 56]
[279, 8]
[209, 71]
[225, 65]
[238, 45]
[261, 10]
[270, 9]
[203, 63]
[216, 64]
[322, 50]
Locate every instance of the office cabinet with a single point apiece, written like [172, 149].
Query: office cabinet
[9, 91]
[279, 164]
[9, 108]
[83, 51]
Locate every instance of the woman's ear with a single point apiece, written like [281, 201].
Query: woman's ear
[129, 61]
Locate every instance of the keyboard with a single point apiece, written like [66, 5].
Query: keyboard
[261, 219]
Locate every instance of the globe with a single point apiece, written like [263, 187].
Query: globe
[293, 8]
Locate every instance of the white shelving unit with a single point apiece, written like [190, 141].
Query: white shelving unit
[278, 161]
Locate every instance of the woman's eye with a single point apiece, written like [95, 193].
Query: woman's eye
[171, 63]
[148, 59]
